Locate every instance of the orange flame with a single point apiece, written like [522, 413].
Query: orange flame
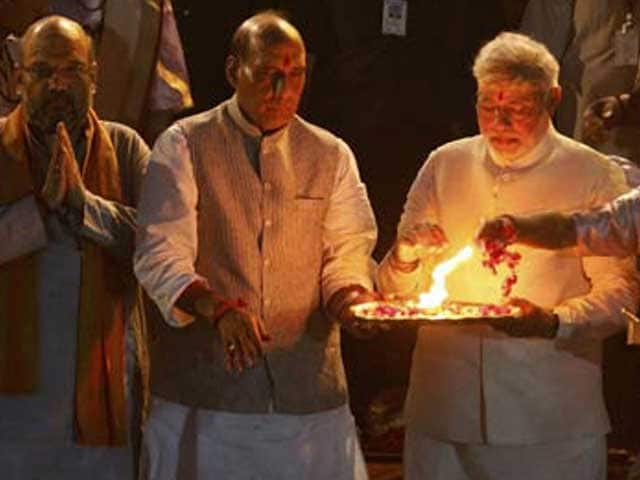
[438, 291]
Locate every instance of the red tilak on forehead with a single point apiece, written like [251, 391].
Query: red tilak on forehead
[501, 95]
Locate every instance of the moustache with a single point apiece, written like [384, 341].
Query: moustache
[53, 107]
[58, 99]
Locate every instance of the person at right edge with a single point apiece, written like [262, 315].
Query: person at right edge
[612, 230]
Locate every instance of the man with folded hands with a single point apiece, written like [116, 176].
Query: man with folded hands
[69, 314]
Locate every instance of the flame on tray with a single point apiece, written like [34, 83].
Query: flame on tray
[438, 292]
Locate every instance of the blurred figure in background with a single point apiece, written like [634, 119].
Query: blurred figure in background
[15, 17]
[597, 44]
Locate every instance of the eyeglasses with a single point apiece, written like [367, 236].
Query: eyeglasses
[516, 112]
[43, 71]
[519, 109]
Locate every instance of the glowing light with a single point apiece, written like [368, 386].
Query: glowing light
[438, 291]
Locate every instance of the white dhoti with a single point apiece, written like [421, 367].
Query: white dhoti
[580, 459]
[182, 443]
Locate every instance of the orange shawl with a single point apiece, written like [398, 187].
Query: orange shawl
[99, 393]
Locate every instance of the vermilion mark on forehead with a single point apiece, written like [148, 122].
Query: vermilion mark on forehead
[501, 95]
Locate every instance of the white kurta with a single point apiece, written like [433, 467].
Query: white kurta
[612, 230]
[581, 459]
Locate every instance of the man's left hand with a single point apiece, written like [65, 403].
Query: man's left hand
[534, 321]
[63, 183]
[54, 190]
[340, 307]
[76, 195]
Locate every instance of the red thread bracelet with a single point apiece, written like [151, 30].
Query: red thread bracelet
[224, 306]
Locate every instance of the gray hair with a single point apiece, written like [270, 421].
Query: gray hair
[515, 57]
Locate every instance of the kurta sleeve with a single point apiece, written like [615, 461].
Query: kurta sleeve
[420, 208]
[113, 224]
[22, 230]
[167, 240]
[350, 232]
[597, 314]
[614, 282]
[612, 230]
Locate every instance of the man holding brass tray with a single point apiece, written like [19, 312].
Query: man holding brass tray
[516, 395]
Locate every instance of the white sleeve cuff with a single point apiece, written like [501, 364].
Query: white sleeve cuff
[166, 301]
[566, 326]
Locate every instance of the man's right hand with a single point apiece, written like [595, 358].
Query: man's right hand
[54, 191]
[551, 230]
[501, 229]
[63, 183]
[421, 241]
[242, 335]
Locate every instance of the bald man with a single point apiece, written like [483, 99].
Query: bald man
[255, 238]
[68, 308]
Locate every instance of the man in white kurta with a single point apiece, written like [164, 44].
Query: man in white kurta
[481, 403]
[256, 234]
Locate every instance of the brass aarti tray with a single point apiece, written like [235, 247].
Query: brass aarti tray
[396, 311]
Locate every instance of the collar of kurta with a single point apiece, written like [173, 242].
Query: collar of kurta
[249, 129]
[99, 391]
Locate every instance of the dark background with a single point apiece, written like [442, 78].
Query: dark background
[392, 99]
